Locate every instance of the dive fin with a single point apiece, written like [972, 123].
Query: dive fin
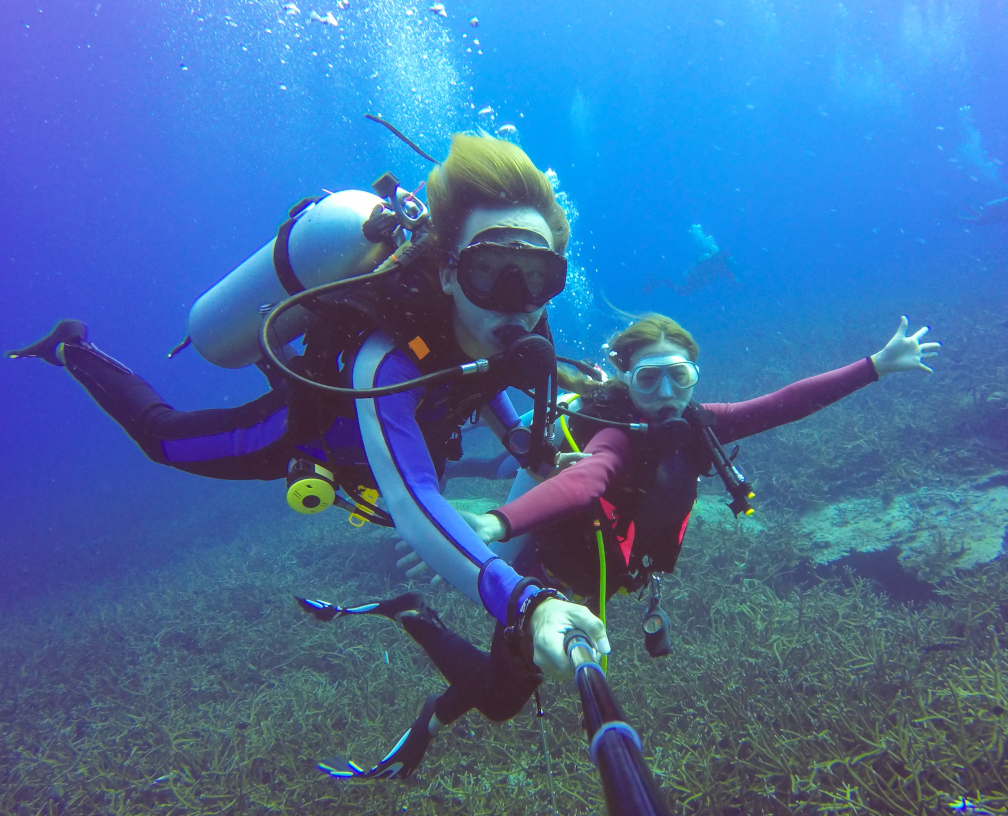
[340, 768]
[65, 331]
[320, 610]
[408, 602]
[406, 754]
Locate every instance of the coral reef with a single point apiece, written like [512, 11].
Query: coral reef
[935, 531]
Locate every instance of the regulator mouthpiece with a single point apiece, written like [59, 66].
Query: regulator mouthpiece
[671, 433]
[528, 361]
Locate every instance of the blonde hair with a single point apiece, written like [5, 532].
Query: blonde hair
[647, 329]
[482, 171]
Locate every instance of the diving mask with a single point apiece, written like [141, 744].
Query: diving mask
[647, 375]
[515, 276]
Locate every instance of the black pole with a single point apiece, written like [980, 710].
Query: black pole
[627, 783]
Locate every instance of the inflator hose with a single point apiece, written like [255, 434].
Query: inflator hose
[356, 393]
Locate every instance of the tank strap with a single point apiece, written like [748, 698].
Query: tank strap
[281, 249]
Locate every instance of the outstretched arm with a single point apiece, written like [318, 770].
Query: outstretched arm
[737, 420]
[401, 463]
[570, 491]
[402, 467]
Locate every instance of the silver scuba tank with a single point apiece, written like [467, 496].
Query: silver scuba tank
[324, 243]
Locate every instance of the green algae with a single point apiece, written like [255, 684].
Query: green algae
[205, 690]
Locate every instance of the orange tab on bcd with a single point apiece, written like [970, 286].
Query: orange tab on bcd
[419, 347]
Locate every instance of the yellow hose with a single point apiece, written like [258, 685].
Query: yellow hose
[567, 434]
[604, 662]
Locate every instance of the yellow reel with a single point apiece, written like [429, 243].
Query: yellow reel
[310, 487]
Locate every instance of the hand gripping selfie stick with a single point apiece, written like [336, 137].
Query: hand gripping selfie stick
[615, 746]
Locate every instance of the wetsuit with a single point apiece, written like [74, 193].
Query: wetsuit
[400, 442]
[560, 514]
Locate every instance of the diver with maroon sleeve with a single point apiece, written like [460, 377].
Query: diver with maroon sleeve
[642, 486]
[643, 449]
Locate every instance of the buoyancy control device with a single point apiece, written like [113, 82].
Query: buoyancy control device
[321, 242]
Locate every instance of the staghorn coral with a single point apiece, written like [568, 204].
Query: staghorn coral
[205, 691]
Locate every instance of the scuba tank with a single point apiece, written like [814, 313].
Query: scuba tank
[322, 242]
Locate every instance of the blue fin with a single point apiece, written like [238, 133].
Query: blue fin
[340, 768]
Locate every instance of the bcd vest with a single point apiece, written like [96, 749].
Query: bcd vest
[643, 514]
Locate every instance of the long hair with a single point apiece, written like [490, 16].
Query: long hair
[481, 171]
[650, 328]
[647, 329]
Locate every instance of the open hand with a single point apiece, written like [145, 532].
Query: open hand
[904, 353]
[412, 564]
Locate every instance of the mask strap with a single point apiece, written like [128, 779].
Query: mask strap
[509, 235]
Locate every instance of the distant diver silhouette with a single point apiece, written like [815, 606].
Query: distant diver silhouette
[993, 212]
[707, 271]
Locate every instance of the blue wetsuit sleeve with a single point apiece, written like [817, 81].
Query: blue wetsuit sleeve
[402, 467]
[499, 414]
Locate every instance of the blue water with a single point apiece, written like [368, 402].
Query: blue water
[147, 149]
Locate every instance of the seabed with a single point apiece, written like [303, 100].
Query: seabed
[798, 683]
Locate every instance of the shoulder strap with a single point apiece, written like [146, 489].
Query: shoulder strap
[281, 247]
[407, 304]
[413, 311]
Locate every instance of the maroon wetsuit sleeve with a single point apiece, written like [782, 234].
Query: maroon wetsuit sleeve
[572, 489]
[737, 420]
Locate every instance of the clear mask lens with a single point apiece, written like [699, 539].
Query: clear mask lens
[647, 379]
[682, 374]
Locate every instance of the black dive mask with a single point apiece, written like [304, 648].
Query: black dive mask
[514, 277]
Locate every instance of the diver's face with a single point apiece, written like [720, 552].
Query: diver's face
[483, 332]
[668, 399]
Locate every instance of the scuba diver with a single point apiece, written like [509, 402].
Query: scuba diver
[617, 517]
[993, 212]
[367, 406]
[713, 265]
